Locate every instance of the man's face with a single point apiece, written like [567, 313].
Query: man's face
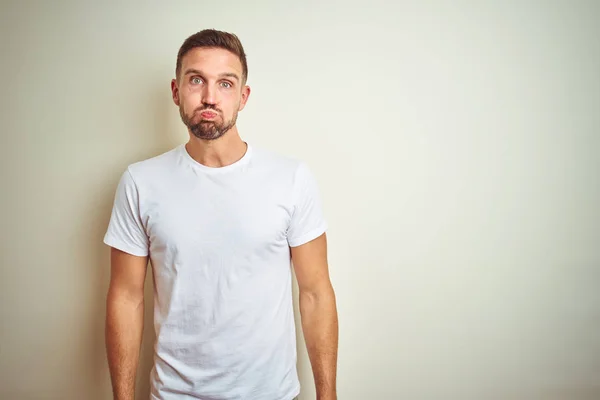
[209, 91]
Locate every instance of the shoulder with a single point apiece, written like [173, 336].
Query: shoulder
[293, 172]
[154, 167]
[283, 164]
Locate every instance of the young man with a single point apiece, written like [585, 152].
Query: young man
[221, 222]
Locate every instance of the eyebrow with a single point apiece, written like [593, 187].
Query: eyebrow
[223, 75]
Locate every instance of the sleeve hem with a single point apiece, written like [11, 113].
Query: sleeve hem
[307, 237]
[120, 245]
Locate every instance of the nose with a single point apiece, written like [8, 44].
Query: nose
[209, 95]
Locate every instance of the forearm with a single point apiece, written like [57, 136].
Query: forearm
[124, 327]
[320, 327]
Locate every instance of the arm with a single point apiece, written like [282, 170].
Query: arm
[124, 320]
[318, 313]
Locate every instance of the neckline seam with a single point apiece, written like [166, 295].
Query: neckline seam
[216, 170]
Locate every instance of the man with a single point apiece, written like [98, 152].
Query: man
[221, 223]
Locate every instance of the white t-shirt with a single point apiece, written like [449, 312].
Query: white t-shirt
[219, 244]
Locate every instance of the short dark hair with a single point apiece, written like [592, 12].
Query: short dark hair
[213, 38]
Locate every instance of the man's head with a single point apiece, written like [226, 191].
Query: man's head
[210, 84]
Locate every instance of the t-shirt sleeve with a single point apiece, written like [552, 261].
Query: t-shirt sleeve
[125, 229]
[307, 222]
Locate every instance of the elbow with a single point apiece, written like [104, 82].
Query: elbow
[119, 297]
[318, 296]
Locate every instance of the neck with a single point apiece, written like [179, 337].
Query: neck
[218, 153]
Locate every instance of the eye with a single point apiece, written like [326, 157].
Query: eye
[226, 85]
[196, 80]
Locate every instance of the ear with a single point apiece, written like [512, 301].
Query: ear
[245, 94]
[175, 92]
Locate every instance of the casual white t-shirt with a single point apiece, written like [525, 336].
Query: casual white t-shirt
[219, 244]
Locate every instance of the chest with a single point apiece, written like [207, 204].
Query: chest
[213, 220]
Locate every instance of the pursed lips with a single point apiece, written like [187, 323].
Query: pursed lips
[208, 114]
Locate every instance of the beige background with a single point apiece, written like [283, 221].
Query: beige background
[457, 149]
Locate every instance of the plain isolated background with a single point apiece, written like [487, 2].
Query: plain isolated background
[457, 148]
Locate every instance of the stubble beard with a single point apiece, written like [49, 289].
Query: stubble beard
[207, 129]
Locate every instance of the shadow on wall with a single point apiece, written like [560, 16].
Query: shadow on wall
[159, 136]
